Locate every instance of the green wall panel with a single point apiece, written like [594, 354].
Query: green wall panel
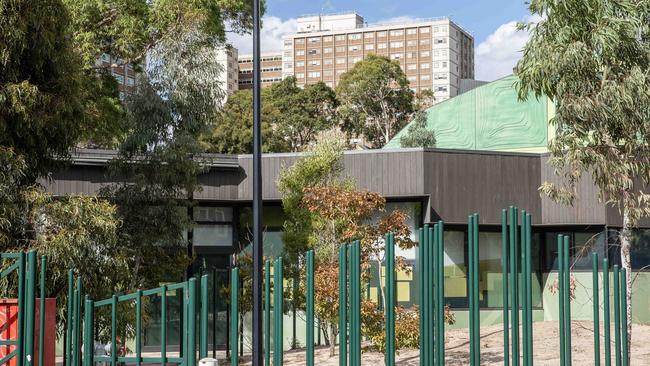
[490, 117]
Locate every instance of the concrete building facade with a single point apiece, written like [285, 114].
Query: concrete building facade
[434, 53]
[123, 73]
[229, 76]
[271, 70]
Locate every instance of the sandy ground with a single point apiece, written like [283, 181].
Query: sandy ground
[545, 348]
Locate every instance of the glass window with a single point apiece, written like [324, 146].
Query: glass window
[381, 46]
[327, 50]
[340, 38]
[396, 33]
[370, 47]
[425, 30]
[640, 252]
[369, 35]
[212, 235]
[381, 34]
[581, 244]
[411, 31]
[355, 36]
[327, 39]
[212, 214]
[455, 270]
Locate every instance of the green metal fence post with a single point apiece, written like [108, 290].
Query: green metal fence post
[343, 304]
[440, 294]
[560, 279]
[514, 284]
[203, 341]
[355, 305]
[267, 312]
[596, 307]
[567, 299]
[477, 307]
[529, 292]
[606, 314]
[234, 316]
[163, 327]
[20, 355]
[524, 266]
[624, 333]
[138, 328]
[88, 332]
[278, 306]
[425, 333]
[430, 296]
[617, 315]
[114, 331]
[75, 324]
[390, 300]
[310, 307]
[30, 308]
[504, 284]
[470, 278]
[68, 323]
[191, 326]
[421, 278]
[41, 318]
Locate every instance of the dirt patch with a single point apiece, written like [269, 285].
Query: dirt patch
[545, 348]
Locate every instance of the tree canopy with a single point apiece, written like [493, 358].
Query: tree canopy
[592, 58]
[417, 134]
[376, 100]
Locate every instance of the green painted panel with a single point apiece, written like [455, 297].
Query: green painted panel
[490, 117]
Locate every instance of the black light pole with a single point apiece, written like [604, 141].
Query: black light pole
[257, 193]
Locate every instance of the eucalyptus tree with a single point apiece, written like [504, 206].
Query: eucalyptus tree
[592, 58]
[376, 100]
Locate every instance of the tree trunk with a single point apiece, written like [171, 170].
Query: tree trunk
[626, 244]
[332, 339]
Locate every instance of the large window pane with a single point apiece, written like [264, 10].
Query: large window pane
[212, 235]
[455, 270]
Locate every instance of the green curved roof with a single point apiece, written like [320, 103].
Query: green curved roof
[489, 117]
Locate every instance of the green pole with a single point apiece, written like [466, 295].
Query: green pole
[560, 279]
[278, 306]
[617, 315]
[88, 333]
[477, 306]
[514, 284]
[390, 300]
[422, 274]
[606, 314]
[267, 312]
[163, 327]
[524, 300]
[440, 292]
[424, 311]
[596, 304]
[31, 308]
[138, 328]
[624, 336]
[41, 319]
[343, 304]
[114, 330]
[430, 290]
[528, 289]
[203, 341]
[234, 316]
[75, 324]
[355, 307]
[504, 285]
[191, 326]
[310, 307]
[567, 299]
[20, 356]
[68, 323]
[470, 258]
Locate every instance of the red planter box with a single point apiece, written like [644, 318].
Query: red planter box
[9, 330]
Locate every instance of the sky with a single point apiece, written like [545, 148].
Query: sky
[491, 22]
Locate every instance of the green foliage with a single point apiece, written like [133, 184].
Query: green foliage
[302, 113]
[593, 59]
[12, 168]
[41, 105]
[233, 128]
[129, 29]
[78, 233]
[417, 134]
[323, 166]
[292, 118]
[376, 100]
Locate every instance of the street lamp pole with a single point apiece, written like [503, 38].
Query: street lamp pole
[258, 258]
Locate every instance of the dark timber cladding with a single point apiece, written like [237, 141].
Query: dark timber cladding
[450, 183]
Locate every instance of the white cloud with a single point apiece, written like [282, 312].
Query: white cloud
[273, 28]
[499, 53]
